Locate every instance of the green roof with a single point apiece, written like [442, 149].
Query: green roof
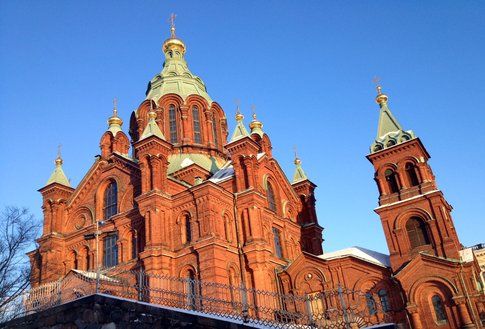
[389, 131]
[176, 78]
[299, 175]
[152, 129]
[58, 175]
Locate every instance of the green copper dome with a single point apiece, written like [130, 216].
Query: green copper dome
[176, 77]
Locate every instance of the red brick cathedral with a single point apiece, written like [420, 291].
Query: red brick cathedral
[185, 197]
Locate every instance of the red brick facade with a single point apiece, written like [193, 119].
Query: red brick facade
[188, 202]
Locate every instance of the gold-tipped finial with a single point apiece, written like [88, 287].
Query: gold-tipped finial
[255, 123]
[152, 114]
[58, 160]
[172, 25]
[380, 98]
[173, 43]
[114, 119]
[239, 115]
[297, 159]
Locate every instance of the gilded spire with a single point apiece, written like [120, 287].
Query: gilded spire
[299, 173]
[173, 43]
[240, 131]
[152, 128]
[389, 131]
[58, 175]
[115, 122]
[255, 125]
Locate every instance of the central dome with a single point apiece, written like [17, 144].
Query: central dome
[176, 77]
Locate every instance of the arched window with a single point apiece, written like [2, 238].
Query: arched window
[271, 198]
[110, 250]
[191, 290]
[391, 180]
[172, 120]
[384, 298]
[439, 309]
[371, 303]
[411, 173]
[110, 200]
[188, 229]
[277, 243]
[417, 233]
[214, 131]
[196, 120]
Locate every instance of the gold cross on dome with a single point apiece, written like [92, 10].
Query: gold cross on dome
[59, 148]
[172, 24]
[238, 103]
[376, 80]
[296, 151]
[253, 109]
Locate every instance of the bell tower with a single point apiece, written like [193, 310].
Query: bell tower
[415, 216]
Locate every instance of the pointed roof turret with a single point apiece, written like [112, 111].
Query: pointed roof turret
[240, 131]
[255, 125]
[115, 122]
[299, 175]
[58, 175]
[389, 131]
[152, 128]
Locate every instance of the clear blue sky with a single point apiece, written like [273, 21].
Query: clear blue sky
[307, 65]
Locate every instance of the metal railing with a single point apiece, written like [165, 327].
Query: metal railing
[338, 308]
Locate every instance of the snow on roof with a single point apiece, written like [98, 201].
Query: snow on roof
[364, 254]
[92, 275]
[224, 173]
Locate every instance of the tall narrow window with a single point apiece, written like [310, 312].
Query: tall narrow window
[110, 200]
[417, 233]
[87, 260]
[277, 242]
[134, 245]
[214, 131]
[196, 120]
[371, 303]
[271, 198]
[439, 308]
[188, 229]
[391, 180]
[411, 173]
[110, 250]
[191, 290]
[172, 119]
[384, 298]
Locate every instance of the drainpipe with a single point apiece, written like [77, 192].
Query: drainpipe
[467, 296]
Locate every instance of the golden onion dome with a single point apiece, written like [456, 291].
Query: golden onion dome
[172, 44]
[115, 119]
[58, 161]
[381, 98]
[297, 161]
[255, 123]
[152, 114]
[239, 116]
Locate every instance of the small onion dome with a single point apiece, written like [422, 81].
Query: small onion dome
[115, 119]
[381, 98]
[297, 161]
[239, 116]
[255, 123]
[58, 161]
[152, 114]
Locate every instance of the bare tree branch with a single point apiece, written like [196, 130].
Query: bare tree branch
[18, 230]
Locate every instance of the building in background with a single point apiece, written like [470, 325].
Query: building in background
[183, 197]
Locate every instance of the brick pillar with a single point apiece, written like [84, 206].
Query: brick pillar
[465, 318]
[415, 318]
